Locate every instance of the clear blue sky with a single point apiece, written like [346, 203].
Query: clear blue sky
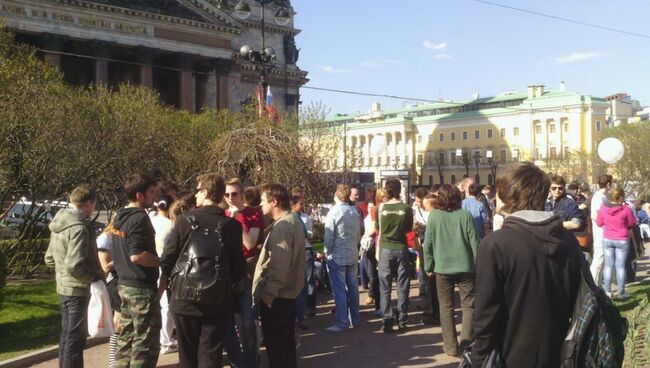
[452, 49]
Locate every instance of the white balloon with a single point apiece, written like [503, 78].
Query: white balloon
[378, 145]
[611, 150]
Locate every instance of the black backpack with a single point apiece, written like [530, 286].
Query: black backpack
[200, 274]
[597, 332]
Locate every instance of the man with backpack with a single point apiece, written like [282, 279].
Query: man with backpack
[202, 261]
[528, 276]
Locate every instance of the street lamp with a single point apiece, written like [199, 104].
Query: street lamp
[477, 161]
[493, 166]
[263, 59]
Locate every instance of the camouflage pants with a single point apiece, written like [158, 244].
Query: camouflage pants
[138, 345]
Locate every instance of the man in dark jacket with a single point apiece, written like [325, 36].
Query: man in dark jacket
[136, 263]
[201, 327]
[528, 275]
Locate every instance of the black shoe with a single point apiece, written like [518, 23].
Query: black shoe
[387, 326]
[430, 321]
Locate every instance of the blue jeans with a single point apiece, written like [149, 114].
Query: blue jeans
[247, 331]
[615, 257]
[345, 288]
[74, 329]
[303, 301]
[394, 263]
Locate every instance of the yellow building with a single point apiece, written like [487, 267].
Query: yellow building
[445, 141]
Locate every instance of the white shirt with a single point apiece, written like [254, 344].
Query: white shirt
[163, 228]
[599, 198]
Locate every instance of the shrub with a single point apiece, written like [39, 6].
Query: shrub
[319, 233]
[3, 275]
[23, 258]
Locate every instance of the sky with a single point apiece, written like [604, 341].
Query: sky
[452, 49]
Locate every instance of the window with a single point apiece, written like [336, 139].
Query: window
[538, 129]
[441, 158]
[489, 133]
[465, 157]
[442, 179]
[598, 127]
[477, 134]
[419, 139]
[551, 128]
[430, 180]
[388, 161]
[553, 152]
[502, 156]
[515, 155]
[503, 132]
[453, 179]
[464, 136]
[452, 157]
[515, 131]
[420, 160]
[430, 157]
[442, 137]
[431, 138]
[566, 127]
[453, 136]
[397, 161]
[378, 161]
[369, 161]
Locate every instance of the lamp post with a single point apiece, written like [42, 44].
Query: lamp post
[493, 166]
[477, 161]
[263, 59]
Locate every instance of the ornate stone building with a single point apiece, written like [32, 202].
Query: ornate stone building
[187, 50]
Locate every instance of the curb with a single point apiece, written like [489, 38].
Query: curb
[45, 354]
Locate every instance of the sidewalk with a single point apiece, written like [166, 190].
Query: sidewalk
[419, 347]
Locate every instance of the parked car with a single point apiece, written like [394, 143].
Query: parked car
[24, 209]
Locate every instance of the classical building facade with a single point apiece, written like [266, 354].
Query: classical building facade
[187, 50]
[445, 141]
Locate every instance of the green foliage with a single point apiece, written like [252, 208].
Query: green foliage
[29, 318]
[319, 232]
[23, 257]
[3, 276]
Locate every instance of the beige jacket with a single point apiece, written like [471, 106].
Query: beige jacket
[280, 271]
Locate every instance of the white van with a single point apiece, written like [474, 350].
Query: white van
[45, 211]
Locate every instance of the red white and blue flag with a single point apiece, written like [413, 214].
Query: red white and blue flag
[271, 111]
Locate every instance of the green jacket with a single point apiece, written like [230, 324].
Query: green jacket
[73, 254]
[450, 243]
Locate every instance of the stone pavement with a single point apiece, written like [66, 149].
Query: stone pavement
[364, 346]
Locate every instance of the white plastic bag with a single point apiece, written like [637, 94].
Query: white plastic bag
[100, 316]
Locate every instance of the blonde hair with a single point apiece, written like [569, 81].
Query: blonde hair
[617, 195]
[342, 192]
[380, 195]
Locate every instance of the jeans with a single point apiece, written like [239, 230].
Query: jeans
[615, 257]
[445, 285]
[363, 272]
[247, 331]
[394, 263]
[346, 292]
[307, 297]
[373, 275]
[200, 340]
[74, 329]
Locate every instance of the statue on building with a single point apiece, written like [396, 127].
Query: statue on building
[291, 53]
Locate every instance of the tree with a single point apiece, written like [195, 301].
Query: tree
[633, 170]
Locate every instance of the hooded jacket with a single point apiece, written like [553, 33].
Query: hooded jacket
[133, 235]
[527, 280]
[72, 253]
[615, 220]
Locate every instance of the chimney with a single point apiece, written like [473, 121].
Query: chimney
[531, 91]
[539, 90]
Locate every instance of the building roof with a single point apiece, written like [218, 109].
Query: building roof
[172, 8]
[451, 110]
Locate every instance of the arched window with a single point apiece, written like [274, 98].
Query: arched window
[430, 180]
[453, 179]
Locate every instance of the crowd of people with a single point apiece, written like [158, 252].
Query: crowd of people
[225, 267]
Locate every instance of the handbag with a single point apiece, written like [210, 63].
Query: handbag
[494, 360]
[100, 315]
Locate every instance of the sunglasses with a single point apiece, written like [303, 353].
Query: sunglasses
[557, 188]
[231, 195]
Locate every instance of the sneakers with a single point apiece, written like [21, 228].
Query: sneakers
[609, 294]
[401, 325]
[168, 349]
[387, 326]
[336, 329]
[623, 296]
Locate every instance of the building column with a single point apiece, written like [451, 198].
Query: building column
[145, 57]
[186, 84]
[404, 151]
[52, 45]
[222, 70]
[101, 51]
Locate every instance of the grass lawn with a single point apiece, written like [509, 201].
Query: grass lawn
[29, 318]
[637, 293]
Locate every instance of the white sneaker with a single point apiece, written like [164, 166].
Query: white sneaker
[609, 294]
[168, 349]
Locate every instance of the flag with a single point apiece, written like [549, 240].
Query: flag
[259, 99]
[271, 111]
